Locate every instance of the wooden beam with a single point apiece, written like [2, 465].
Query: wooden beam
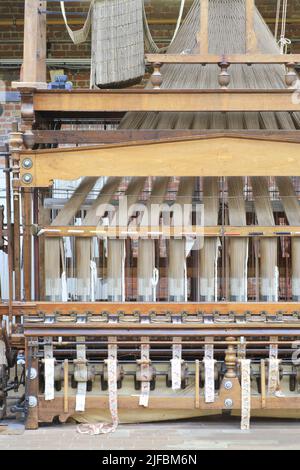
[250, 33]
[190, 308]
[167, 232]
[204, 59]
[219, 157]
[34, 56]
[165, 100]
[127, 135]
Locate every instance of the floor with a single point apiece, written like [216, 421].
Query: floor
[187, 435]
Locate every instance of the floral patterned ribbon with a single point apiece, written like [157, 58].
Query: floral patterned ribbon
[145, 371]
[176, 362]
[273, 377]
[49, 369]
[81, 371]
[209, 367]
[246, 393]
[105, 428]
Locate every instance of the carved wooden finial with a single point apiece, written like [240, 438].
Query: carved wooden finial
[224, 76]
[291, 75]
[230, 359]
[156, 77]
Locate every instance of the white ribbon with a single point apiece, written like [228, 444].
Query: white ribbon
[176, 362]
[105, 428]
[273, 376]
[81, 34]
[81, 385]
[246, 393]
[64, 287]
[145, 384]
[93, 267]
[49, 362]
[154, 282]
[209, 373]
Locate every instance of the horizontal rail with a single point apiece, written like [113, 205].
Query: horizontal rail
[146, 308]
[155, 232]
[125, 135]
[147, 100]
[228, 58]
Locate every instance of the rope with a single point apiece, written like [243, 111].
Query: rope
[81, 34]
[152, 46]
[283, 41]
[277, 19]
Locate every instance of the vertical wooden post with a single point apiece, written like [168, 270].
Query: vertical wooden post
[32, 385]
[27, 250]
[203, 32]
[16, 144]
[250, 34]
[35, 44]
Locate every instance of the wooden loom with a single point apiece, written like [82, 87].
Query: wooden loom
[179, 339]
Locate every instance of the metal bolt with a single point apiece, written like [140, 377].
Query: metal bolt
[32, 401]
[228, 385]
[228, 403]
[27, 163]
[27, 178]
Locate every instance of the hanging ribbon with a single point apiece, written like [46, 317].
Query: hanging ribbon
[93, 267]
[176, 363]
[81, 34]
[145, 371]
[105, 428]
[81, 375]
[273, 376]
[154, 282]
[64, 285]
[246, 393]
[209, 372]
[283, 41]
[49, 362]
[148, 36]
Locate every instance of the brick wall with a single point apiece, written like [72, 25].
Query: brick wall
[162, 15]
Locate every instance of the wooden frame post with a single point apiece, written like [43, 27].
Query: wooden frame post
[250, 33]
[33, 72]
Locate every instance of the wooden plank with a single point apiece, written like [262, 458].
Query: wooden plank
[165, 100]
[231, 157]
[34, 54]
[250, 33]
[49, 409]
[203, 59]
[125, 135]
[163, 231]
[191, 308]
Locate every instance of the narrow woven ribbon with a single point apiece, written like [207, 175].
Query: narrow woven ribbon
[82, 371]
[49, 370]
[176, 362]
[145, 384]
[246, 393]
[273, 377]
[209, 368]
[105, 428]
